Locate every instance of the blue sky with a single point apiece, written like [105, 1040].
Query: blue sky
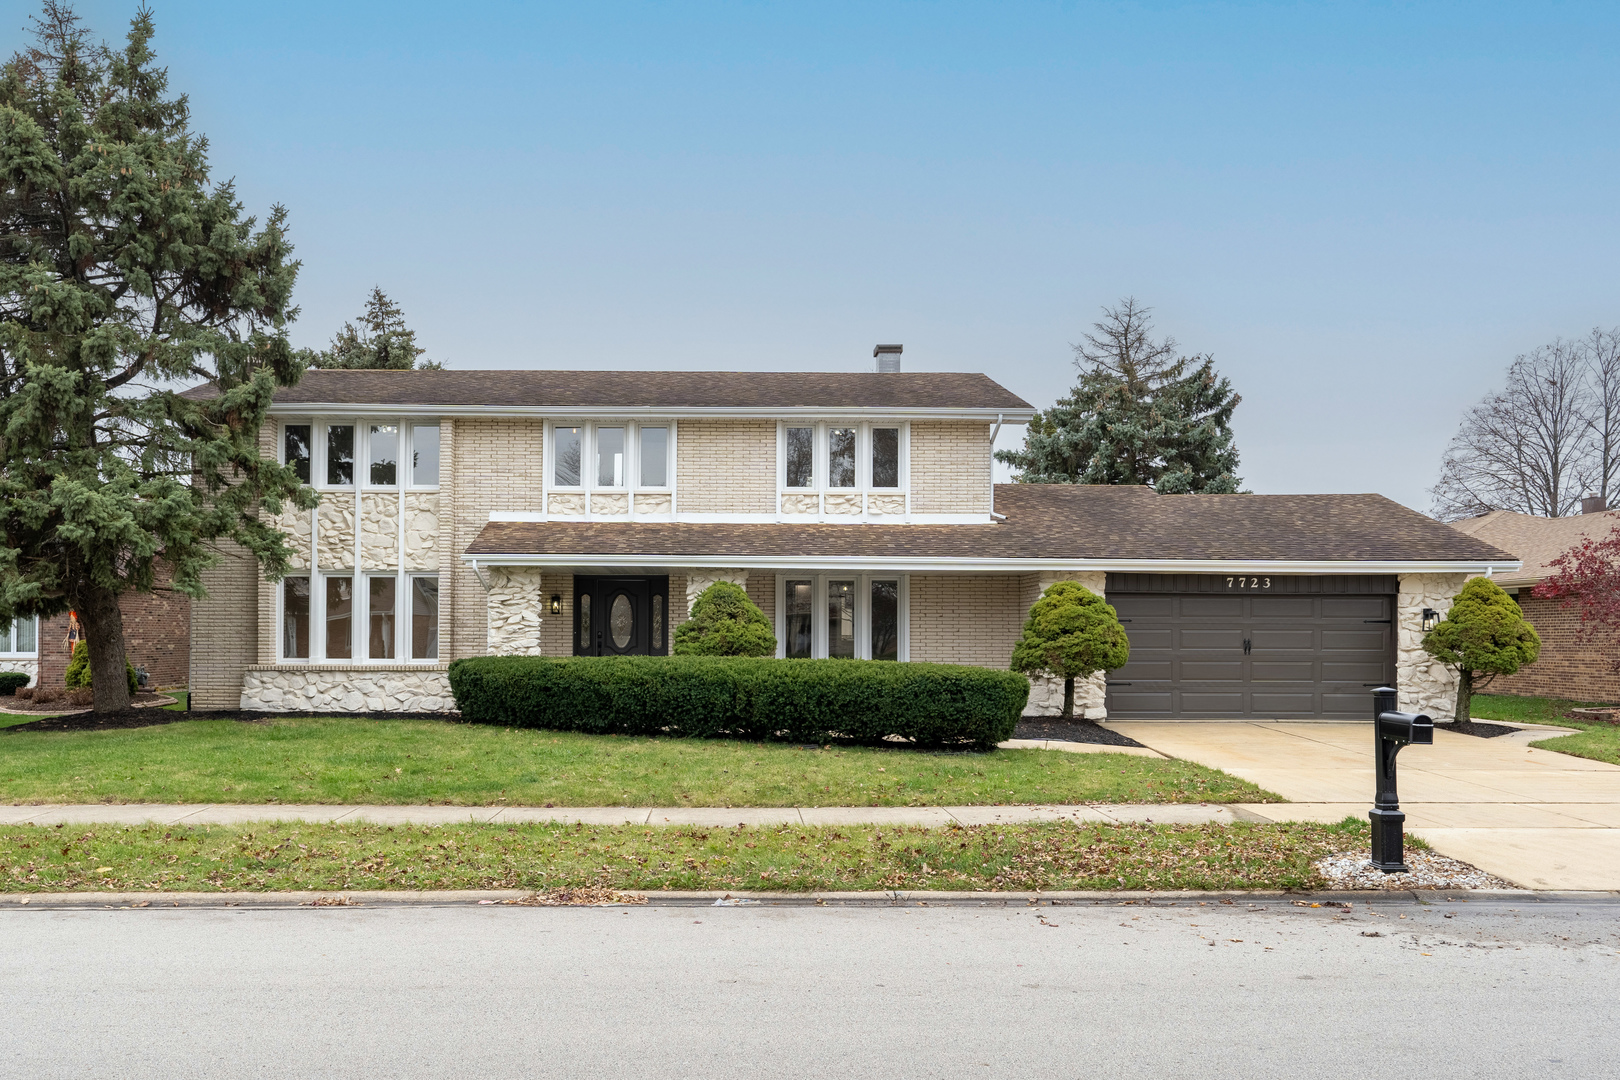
[1363, 211]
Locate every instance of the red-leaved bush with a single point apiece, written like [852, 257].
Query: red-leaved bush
[1588, 576]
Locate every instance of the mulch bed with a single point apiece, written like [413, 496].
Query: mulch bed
[1060, 730]
[1478, 728]
[142, 699]
[134, 718]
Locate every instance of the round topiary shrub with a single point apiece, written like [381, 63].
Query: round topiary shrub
[12, 681]
[77, 676]
[725, 622]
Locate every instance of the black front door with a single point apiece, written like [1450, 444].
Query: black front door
[621, 616]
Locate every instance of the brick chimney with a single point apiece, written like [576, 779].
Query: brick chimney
[888, 358]
[1592, 504]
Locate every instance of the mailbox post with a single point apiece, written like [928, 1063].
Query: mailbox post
[1391, 731]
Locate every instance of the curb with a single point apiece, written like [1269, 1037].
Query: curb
[158, 901]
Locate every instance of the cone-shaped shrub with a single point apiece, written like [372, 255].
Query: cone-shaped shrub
[725, 622]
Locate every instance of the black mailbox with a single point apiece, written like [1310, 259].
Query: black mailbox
[1391, 731]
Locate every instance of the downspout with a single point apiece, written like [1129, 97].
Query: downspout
[993, 433]
[479, 576]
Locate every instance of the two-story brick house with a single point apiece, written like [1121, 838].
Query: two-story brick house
[566, 512]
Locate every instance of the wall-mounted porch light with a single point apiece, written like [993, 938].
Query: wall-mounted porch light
[1431, 619]
[556, 604]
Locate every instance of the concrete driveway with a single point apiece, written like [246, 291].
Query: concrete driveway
[1536, 817]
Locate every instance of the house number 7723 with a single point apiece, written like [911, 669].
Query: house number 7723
[1249, 583]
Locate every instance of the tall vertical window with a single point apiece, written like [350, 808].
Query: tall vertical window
[658, 624]
[801, 457]
[380, 617]
[582, 611]
[340, 454]
[800, 617]
[841, 457]
[841, 619]
[383, 454]
[654, 456]
[295, 618]
[424, 618]
[339, 618]
[610, 457]
[295, 443]
[425, 455]
[565, 451]
[885, 620]
[885, 457]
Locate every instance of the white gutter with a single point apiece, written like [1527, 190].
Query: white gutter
[634, 411]
[946, 565]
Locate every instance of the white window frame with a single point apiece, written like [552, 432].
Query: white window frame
[863, 611]
[820, 487]
[361, 615]
[588, 486]
[16, 654]
[318, 425]
[408, 450]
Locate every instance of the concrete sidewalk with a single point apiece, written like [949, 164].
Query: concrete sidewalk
[725, 817]
[1536, 817]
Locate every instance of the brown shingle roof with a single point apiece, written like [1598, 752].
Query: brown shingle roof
[1048, 521]
[1536, 540]
[650, 389]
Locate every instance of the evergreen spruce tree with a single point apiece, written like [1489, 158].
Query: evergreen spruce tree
[382, 341]
[725, 622]
[1140, 414]
[125, 272]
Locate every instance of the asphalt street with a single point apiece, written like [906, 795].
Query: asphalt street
[1392, 989]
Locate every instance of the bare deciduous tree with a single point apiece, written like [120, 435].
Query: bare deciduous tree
[1550, 435]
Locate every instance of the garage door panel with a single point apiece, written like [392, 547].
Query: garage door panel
[1149, 668]
[1207, 703]
[1150, 639]
[1210, 670]
[1353, 640]
[1304, 638]
[1229, 640]
[1355, 607]
[1283, 607]
[1300, 703]
[1211, 607]
[1283, 671]
[1310, 656]
[1144, 607]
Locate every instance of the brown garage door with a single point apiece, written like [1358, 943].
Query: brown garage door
[1282, 656]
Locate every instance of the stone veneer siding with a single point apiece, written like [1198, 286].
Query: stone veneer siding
[1425, 684]
[354, 688]
[950, 467]
[1569, 666]
[725, 467]
[1045, 692]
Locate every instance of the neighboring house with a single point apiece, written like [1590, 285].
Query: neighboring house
[562, 513]
[157, 639]
[1568, 667]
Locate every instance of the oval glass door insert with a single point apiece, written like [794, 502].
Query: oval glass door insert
[621, 621]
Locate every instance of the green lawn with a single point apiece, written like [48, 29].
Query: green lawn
[295, 855]
[350, 760]
[1598, 741]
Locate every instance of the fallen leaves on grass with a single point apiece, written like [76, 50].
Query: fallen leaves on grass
[583, 896]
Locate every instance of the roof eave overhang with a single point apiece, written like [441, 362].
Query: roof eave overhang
[675, 412]
[920, 564]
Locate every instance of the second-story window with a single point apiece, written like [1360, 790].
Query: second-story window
[841, 457]
[610, 457]
[654, 457]
[565, 463]
[296, 449]
[340, 454]
[801, 457]
[885, 457]
[425, 455]
[382, 444]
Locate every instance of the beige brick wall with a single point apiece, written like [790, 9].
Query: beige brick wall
[950, 467]
[225, 629]
[762, 591]
[556, 631]
[725, 467]
[966, 618]
[490, 465]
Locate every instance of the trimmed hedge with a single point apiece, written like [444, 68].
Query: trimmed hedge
[743, 698]
[12, 681]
